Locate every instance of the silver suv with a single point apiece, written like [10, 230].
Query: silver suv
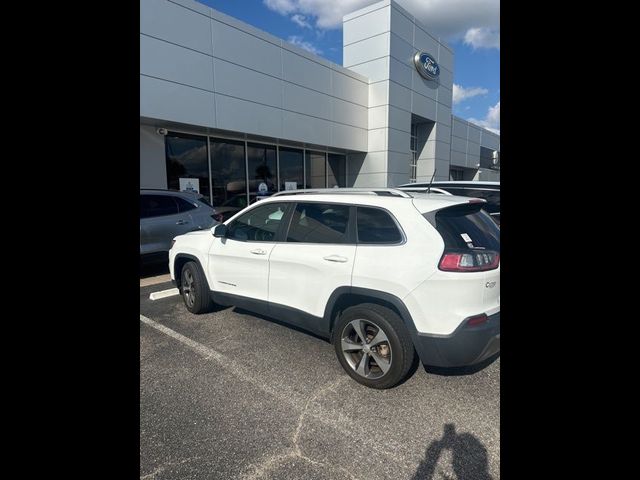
[167, 213]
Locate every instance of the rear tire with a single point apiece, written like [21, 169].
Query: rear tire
[386, 356]
[195, 289]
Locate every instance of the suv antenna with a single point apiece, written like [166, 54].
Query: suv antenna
[431, 181]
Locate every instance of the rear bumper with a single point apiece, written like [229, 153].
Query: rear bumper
[466, 346]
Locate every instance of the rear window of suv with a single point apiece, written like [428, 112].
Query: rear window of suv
[466, 227]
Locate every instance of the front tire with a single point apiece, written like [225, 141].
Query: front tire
[373, 345]
[194, 289]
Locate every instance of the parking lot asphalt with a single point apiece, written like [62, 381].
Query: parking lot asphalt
[232, 395]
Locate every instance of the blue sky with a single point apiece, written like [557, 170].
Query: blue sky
[470, 27]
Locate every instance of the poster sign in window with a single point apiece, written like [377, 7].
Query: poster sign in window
[190, 185]
[290, 185]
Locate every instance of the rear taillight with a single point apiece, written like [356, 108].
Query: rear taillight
[472, 261]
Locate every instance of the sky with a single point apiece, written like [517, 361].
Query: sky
[470, 27]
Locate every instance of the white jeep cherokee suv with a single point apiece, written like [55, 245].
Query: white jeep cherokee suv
[385, 275]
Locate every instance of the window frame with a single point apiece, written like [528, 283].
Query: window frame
[350, 233]
[403, 237]
[286, 218]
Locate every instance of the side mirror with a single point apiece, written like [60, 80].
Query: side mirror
[219, 230]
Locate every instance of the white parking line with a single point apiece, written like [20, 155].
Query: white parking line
[336, 420]
[164, 294]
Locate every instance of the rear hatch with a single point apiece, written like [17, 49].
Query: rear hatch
[471, 247]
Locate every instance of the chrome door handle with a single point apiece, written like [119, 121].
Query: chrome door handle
[336, 258]
[258, 251]
[181, 222]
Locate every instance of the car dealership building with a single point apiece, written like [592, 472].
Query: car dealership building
[235, 113]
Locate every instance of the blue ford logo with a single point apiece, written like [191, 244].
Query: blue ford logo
[426, 65]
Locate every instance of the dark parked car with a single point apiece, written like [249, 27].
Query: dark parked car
[167, 213]
[489, 191]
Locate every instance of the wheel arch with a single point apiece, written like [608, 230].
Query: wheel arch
[179, 261]
[344, 297]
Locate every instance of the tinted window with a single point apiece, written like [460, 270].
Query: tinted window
[187, 157]
[260, 224]
[183, 205]
[467, 227]
[319, 223]
[228, 170]
[157, 206]
[377, 226]
[291, 169]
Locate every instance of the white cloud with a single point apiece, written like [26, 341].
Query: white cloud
[491, 121]
[450, 19]
[301, 21]
[460, 93]
[283, 7]
[308, 46]
[482, 38]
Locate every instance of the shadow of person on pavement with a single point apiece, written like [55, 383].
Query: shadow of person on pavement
[469, 457]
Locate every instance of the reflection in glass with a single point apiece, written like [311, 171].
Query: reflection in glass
[263, 178]
[316, 174]
[229, 177]
[337, 172]
[291, 169]
[186, 157]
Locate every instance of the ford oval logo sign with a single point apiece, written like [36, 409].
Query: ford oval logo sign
[426, 65]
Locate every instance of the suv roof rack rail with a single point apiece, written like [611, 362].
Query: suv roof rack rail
[387, 192]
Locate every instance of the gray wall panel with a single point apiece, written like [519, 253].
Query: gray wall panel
[236, 81]
[178, 64]
[304, 72]
[360, 28]
[349, 113]
[360, 52]
[306, 129]
[247, 50]
[176, 24]
[177, 103]
[244, 116]
[348, 88]
[309, 102]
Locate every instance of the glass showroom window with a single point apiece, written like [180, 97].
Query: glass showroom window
[228, 176]
[316, 170]
[263, 177]
[187, 158]
[291, 169]
[336, 170]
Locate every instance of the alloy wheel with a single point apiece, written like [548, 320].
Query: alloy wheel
[366, 348]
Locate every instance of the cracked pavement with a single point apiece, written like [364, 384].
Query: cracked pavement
[233, 395]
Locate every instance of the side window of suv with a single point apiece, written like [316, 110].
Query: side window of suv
[259, 224]
[183, 205]
[319, 223]
[157, 206]
[375, 226]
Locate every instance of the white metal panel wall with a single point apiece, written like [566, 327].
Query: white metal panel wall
[203, 68]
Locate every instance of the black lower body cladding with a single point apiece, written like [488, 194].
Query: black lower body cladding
[468, 345]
